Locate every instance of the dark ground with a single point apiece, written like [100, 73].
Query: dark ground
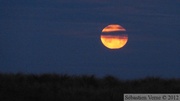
[53, 87]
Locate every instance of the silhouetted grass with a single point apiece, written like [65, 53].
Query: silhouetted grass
[53, 87]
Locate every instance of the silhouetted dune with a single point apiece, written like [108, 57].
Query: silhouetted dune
[53, 87]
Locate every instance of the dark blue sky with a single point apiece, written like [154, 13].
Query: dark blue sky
[62, 36]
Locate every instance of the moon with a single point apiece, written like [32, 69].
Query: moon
[114, 37]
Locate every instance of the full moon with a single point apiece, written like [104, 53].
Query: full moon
[114, 37]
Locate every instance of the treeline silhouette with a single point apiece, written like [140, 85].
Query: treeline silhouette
[53, 87]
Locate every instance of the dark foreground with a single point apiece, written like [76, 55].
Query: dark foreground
[52, 87]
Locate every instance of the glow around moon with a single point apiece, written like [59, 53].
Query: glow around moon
[114, 37]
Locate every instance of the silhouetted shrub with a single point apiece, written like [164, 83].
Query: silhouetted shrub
[53, 87]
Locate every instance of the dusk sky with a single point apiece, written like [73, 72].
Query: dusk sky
[63, 37]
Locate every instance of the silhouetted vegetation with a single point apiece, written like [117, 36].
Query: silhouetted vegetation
[53, 87]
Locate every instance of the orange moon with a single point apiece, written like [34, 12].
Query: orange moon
[114, 37]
